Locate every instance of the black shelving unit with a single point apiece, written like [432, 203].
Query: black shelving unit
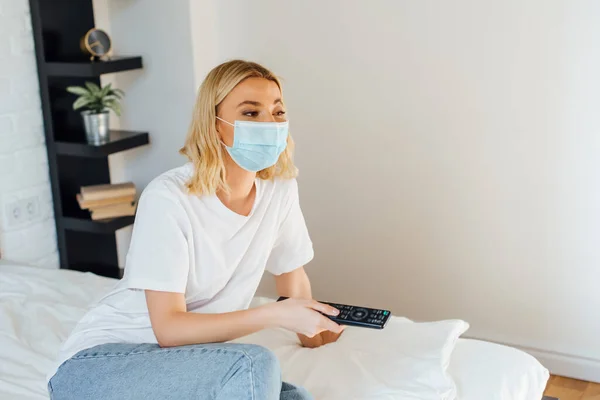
[91, 69]
[118, 141]
[103, 226]
[58, 26]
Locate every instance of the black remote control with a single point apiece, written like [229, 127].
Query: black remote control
[357, 316]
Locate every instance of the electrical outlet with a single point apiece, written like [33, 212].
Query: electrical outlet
[14, 214]
[22, 211]
[31, 207]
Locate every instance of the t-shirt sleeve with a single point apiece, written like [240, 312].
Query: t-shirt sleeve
[158, 257]
[293, 247]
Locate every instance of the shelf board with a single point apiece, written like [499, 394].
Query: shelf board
[92, 68]
[118, 141]
[110, 271]
[104, 226]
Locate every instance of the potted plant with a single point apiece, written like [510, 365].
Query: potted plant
[96, 103]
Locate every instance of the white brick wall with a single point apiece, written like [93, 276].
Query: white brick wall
[23, 160]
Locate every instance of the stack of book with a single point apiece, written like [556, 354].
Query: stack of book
[108, 201]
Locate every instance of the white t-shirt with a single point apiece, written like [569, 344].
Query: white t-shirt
[195, 245]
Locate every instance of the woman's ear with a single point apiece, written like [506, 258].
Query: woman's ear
[219, 134]
[218, 126]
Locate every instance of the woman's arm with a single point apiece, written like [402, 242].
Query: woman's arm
[174, 326]
[296, 285]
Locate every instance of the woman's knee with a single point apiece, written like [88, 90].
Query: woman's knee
[262, 359]
[255, 374]
[265, 370]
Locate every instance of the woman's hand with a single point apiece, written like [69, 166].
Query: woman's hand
[295, 284]
[304, 317]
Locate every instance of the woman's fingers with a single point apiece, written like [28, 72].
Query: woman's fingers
[324, 308]
[325, 324]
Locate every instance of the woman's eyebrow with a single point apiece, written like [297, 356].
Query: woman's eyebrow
[257, 103]
[252, 103]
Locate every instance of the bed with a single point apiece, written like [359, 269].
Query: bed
[39, 307]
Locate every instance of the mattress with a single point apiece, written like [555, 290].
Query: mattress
[39, 307]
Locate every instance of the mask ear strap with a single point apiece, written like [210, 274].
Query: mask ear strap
[221, 119]
[221, 140]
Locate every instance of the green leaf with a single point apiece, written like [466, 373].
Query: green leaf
[81, 102]
[105, 91]
[94, 89]
[113, 105]
[111, 97]
[97, 108]
[108, 100]
[116, 93]
[90, 98]
[117, 109]
[78, 90]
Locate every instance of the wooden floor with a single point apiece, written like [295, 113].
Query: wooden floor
[572, 389]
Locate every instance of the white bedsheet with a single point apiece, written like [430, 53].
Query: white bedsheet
[39, 307]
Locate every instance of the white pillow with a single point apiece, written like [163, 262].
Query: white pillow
[406, 360]
[490, 371]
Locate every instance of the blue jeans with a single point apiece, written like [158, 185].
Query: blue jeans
[146, 371]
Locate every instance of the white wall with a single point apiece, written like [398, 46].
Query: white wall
[449, 158]
[448, 150]
[159, 99]
[27, 230]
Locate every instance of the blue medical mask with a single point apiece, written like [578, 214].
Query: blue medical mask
[257, 145]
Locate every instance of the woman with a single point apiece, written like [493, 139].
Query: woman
[203, 236]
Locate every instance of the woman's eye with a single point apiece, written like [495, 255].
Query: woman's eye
[250, 113]
[280, 113]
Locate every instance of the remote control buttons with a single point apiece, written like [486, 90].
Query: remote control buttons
[358, 314]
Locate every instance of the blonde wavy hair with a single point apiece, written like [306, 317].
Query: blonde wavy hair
[203, 145]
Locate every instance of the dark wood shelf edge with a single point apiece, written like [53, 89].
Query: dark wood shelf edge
[92, 68]
[101, 227]
[87, 150]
